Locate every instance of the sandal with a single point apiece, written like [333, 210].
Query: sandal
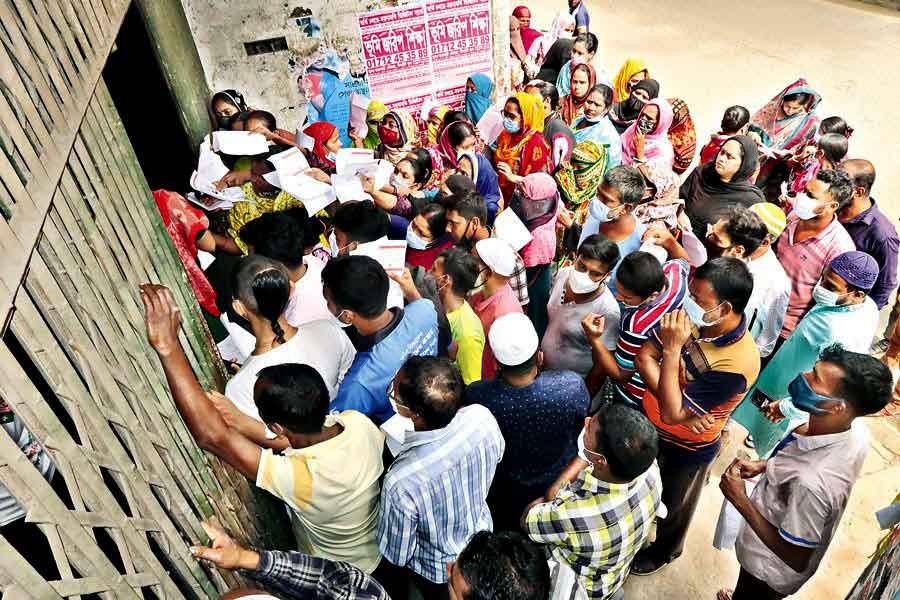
[724, 594]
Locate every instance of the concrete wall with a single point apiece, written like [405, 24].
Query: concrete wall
[274, 81]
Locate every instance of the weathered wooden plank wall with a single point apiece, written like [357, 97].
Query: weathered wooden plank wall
[79, 231]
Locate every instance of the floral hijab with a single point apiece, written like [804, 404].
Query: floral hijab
[657, 146]
[408, 129]
[791, 131]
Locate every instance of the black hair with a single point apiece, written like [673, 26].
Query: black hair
[357, 283]
[864, 173]
[598, 247]
[798, 97]
[266, 117]
[262, 285]
[420, 161]
[504, 565]
[361, 222]
[462, 268]
[835, 125]
[455, 116]
[734, 119]
[605, 91]
[521, 368]
[278, 235]
[436, 217]
[867, 383]
[834, 146]
[627, 439]
[839, 185]
[746, 228]
[458, 132]
[433, 388]
[627, 181]
[469, 205]
[641, 274]
[730, 279]
[427, 287]
[548, 91]
[232, 97]
[293, 395]
[589, 40]
[458, 185]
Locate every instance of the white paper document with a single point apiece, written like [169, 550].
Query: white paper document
[490, 126]
[359, 105]
[314, 194]
[350, 160]
[210, 203]
[227, 196]
[239, 143]
[509, 228]
[289, 162]
[380, 172]
[349, 188]
[390, 254]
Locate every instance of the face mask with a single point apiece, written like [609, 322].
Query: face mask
[583, 452]
[601, 212]
[825, 297]
[804, 398]
[341, 321]
[595, 119]
[398, 182]
[805, 207]
[225, 122]
[510, 126]
[696, 313]
[331, 156]
[333, 245]
[645, 125]
[413, 240]
[566, 35]
[388, 137]
[581, 283]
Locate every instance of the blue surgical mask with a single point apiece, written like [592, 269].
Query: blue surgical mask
[696, 313]
[804, 398]
[510, 125]
[413, 240]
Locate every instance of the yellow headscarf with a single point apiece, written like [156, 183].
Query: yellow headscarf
[431, 132]
[532, 111]
[632, 67]
[375, 112]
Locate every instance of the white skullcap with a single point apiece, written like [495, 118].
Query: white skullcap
[513, 339]
[498, 255]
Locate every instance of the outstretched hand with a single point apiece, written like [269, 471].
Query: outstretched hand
[162, 317]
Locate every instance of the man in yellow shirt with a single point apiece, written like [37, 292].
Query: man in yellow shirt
[456, 271]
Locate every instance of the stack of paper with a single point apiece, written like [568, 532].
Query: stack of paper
[211, 169]
[509, 228]
[239, 143]
[349, 161]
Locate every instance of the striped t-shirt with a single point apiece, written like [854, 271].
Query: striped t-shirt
[637, 324]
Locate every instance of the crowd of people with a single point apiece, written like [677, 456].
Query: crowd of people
[538, 419]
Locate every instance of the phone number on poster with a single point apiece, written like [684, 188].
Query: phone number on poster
[473, 43]
[401, 59]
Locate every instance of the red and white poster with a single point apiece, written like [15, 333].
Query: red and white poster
[459, 38]
[396, 51]
[426, 51]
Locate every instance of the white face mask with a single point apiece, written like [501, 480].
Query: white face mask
[413, 240]
[825, 297]
[581, 282]
[333, 245]
[583, 452]
[805, 207]
[596, 119]
[697, 313]
[398, 182]
[600, 211]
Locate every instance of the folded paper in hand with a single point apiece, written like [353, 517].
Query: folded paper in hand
[490, 126]
[390, 254]
[239, 143]
[380, 172]
[350, 160]
[211, 169]
[314, 194]
[509, 228]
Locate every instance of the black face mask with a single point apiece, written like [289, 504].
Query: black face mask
[225, 123]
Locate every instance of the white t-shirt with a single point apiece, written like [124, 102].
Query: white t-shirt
[319, 344]
[307, 303]
[565, 345]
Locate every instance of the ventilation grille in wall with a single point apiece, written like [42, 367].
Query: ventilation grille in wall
[266, 46]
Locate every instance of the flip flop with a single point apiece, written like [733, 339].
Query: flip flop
[724, 594]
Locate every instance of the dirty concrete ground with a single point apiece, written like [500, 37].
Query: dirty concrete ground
[714, 54]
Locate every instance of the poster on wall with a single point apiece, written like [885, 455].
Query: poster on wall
[329, 82]
[425, 51]
[459, 33]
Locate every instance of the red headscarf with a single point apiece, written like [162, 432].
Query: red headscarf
[321, 132]
[528, 34]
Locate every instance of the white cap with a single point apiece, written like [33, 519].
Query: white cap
[513, 339]
[658, 252]
[498, 255]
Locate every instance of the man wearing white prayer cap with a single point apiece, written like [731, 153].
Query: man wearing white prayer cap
[539, 413]
[494, 297]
